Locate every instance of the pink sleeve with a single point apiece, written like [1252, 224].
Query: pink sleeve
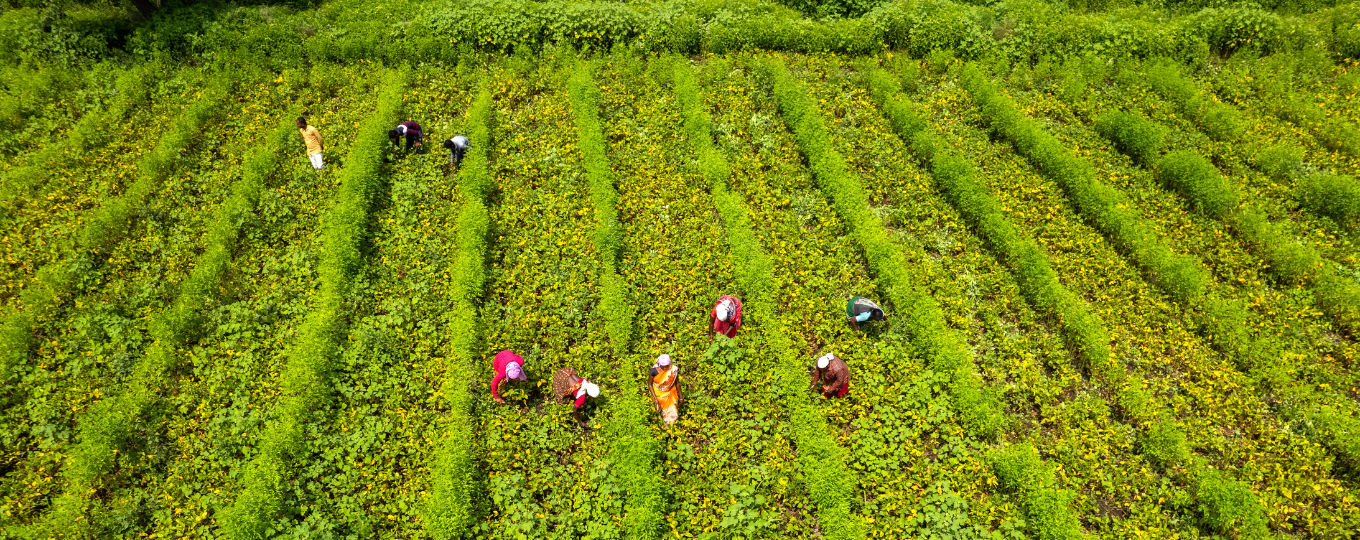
[581, 401]
[496, 383]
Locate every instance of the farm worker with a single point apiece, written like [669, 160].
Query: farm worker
[860, 309]
[313, 139]
[408, 130]
[725, 318]
[508, 365]
[665, 388]
[832, 374]
[567, 387]
[457, 146]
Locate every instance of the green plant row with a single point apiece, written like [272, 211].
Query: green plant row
[88, 133]
[106, 428]
[1334, 196]
[1219, 120]
[945, 350]
[1029, 263]
[1195, 178]
[1209, 193]
[453, 489]
[304, 381]
[635, 452]
[830, 483]
[53, 282]
[1109, 209]
[1181, 276]
[1334, 131]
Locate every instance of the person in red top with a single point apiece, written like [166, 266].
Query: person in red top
[508, 365]
[569, 388]
[725, 318]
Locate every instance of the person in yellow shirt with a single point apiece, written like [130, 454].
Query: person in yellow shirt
[313, 139]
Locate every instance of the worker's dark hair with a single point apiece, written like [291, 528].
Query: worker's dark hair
[448, 144]
[302, 121]
[392, 134]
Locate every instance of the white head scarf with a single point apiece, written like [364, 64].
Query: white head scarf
[824, 361]
[662, 361]
[724, 311]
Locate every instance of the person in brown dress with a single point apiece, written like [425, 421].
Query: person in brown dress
[833, 376]
[570, 388]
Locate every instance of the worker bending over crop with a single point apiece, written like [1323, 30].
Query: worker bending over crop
[508, 365]
[665, 388]
[725, 318]
[313, 139]
[457, 146]
[860, 309]
[569, 388]
[408, 130]
[833, 376]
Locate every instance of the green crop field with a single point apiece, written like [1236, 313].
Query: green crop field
[1117, 241]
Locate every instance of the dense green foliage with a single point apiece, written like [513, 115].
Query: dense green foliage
[305, 381]
[1117, 244]
[453, 485]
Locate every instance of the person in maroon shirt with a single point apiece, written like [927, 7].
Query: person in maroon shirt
[410, 131]
[508, 365]
[569, 388]
[833, 375]
[725, 318]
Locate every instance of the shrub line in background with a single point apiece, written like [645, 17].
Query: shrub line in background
[454, 493]
[830, 483]
[305, 382]
[633, 450]
[1183, 277]
[106, 428]
[52, 283]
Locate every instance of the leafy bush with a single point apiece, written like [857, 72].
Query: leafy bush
[1280, 161]
[1134, 135]
[1332, 195]
[1221, 121]
[1229, 506]
[1181, 276]
[1165, 443]
[1199, 182]
[1019, 468]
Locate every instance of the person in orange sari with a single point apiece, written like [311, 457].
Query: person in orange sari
[665, 388]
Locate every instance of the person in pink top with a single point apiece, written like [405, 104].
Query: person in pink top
[725, 318]
[508, 365]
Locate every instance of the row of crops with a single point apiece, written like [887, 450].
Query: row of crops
[1121, 300]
